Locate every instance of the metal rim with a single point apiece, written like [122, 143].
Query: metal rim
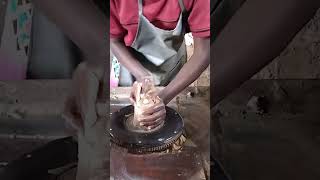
[145, 142]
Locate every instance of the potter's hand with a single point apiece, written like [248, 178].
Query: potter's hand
[80, 107]
[149, 109]
[135, 92]
[143, 87]
[154, 115]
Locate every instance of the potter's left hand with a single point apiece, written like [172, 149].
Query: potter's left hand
[135, 92]
[144, 86]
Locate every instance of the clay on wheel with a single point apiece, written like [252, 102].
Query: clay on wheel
[129, 123]
[145, 98]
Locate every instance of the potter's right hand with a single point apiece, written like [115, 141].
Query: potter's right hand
[153, 116]
[80, 107]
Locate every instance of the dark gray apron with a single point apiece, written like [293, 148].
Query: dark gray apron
[162, 52]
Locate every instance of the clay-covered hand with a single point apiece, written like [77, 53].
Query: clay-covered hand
[153, 115]
[80, 107]
[135, 92]
[144, 87]
[149, 109]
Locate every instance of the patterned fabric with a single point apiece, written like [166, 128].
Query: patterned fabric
[15, 40]
[115, 72]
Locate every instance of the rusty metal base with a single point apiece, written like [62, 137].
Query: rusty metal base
[183, 165]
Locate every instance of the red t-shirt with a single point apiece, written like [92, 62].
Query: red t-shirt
[163, 14]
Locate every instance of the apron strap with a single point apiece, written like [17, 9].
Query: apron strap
[140, 6]
[182, 6]
[185, 15]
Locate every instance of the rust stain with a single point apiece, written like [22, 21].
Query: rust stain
[184, 165]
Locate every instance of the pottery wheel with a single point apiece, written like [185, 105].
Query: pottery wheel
[139, 140]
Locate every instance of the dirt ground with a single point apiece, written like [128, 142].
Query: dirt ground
[282, 143]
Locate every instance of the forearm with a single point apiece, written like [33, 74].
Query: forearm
[86, 26]
[198, 62]
[125, 57]
[83, 23]
[258, 32]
